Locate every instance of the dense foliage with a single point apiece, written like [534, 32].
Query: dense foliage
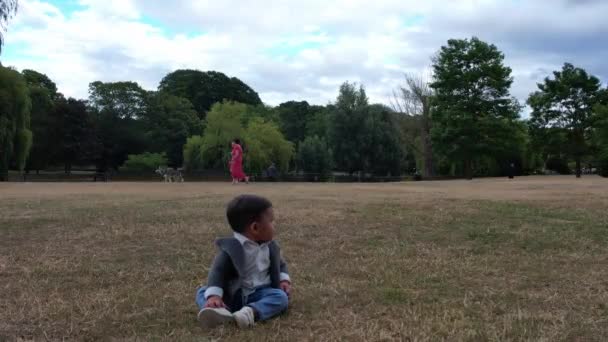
[461, 122]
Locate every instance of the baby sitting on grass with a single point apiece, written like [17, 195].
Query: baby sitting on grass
[248, 280]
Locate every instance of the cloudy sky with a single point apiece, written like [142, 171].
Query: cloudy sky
[297, 50]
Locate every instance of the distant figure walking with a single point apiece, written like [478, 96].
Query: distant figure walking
[511, 171]
[236, 163]
[272, 172]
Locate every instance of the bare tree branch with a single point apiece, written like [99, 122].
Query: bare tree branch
[413, 99]
[8, 8]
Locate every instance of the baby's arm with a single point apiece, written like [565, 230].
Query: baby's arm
[284, 277]
[284, 270]
[216, 281]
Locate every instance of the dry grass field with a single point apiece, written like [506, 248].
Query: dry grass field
[485, 260]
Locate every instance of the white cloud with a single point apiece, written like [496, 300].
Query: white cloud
[298, 49]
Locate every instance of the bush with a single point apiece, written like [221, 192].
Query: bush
[558, 165]
[144, 162]
[314, 156]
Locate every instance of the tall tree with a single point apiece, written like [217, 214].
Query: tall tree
[346, 128]
[293, 117]
[126, 100]
[223, 124]
[203, 89]
[414, 99]
[550, 142]
[566, 102]
[35, 79]
[170, 121]
[318, 123]
[265, 144]
[314, 156]
[474, 113]
[118, 109]
[15, 134]
[380, 146]
[45, 125]
[601, 136]
[8, 8]
[265, 112]
[193, 153]
[78, 142]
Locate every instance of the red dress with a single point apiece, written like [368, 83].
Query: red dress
[236, 163]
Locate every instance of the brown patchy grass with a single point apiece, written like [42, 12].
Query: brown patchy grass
[473, 261]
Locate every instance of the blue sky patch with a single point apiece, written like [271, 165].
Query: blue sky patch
[413, 20]
[67, 7]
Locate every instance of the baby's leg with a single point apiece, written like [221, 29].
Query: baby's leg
[200, 297]
[210, 318]
[268, 303]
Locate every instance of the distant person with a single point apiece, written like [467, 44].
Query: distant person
[236, 163]
[272, 172]
[248, 280]
[511, 171]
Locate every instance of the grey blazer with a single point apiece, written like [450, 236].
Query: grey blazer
[228, 268]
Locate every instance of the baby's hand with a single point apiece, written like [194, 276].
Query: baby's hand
[286, 286]
[215, 302]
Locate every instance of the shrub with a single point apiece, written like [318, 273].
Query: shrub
[144, 162]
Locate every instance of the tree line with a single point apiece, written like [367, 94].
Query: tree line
[462, 121]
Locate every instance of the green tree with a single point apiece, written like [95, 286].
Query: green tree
[380, 146]
[601, 136]
[566, 102]
[414, 99]
[318, 123]
[126, 100]
[262, 140]
[15, 135]
[223, 124]
[473, 114]
[170, 120]
[118, 110]
[262, 111]
[346, 128]
[77, 142]
[551, 143]
[264, 145]
[203, 89]
[44, 125]
[8, 8]
[314, 156]
[293, 117]
[34, 79]
[193, 153]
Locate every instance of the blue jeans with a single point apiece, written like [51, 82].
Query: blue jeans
[267, 302]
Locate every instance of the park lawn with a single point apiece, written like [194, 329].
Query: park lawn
[484, 260]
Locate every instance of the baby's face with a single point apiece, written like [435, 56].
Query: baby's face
[263, 229]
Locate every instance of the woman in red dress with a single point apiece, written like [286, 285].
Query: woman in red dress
[236, 163]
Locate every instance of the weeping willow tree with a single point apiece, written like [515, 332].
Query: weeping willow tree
[8, 8]
[15, 135]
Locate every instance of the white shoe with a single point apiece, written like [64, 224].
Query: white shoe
[245, 318]
[210, 318]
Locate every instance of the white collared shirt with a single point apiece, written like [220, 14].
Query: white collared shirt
[257, 267]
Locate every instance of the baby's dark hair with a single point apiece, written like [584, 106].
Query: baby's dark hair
[243, 210]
